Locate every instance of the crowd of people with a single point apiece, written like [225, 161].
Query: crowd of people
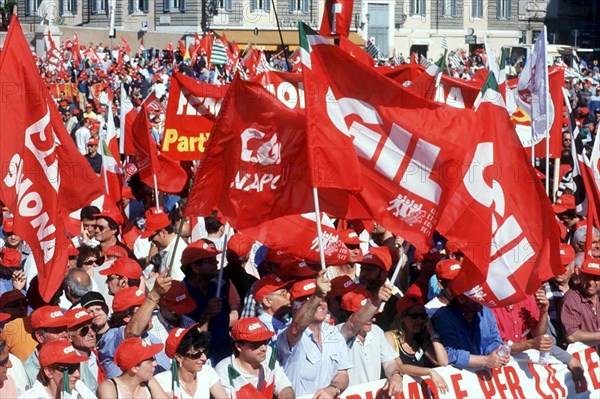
[145, 312]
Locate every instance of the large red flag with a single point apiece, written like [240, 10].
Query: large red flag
[357, 52]
[45, 178]
[337, 18]
[500, 214]
[254, 167]
[145, 148]
[126, 45]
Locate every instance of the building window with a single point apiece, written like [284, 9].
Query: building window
[226, 5]
[260, 5]
[477, 9]
[31, 7]
[173, 5]
[138, 6]
[100, 7]
[448, 8]
[68, 7]
[503, 9]
[417, 7]
[299, 6]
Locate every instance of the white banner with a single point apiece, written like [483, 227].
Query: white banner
[520, 378]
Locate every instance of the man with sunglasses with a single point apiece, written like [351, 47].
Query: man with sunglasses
[96, 306]
[252, 371]
[124, 272]
[446, 270]
[83, 338]
[580, 312]
[92, 156]
[108, 224]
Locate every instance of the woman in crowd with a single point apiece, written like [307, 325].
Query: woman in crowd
[188, 349]
[136, 359]
[59, 360]
[413, 337]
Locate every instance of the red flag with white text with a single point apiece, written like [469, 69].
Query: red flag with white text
[337, 18]
[46, 178]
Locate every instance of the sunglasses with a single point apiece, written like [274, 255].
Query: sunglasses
[197, 355]
[4, 363]
[100, 227]
[255, 345]
[71, 368]
[111, 278]
[90, 262]
[415, 316]
[83, 331]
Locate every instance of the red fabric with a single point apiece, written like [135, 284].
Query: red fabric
[516, 321]
[145, 149]
[502, 206]
[172, 177]
[248, 391]
[337, 18]
[126, 45]
[55, 179]
[355, 51]
[206, 44]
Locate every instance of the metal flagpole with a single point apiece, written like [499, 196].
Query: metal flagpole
[393, 280]
[155, 190]
[319, 231]
[220, 281]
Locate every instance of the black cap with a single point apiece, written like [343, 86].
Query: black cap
[93, 298]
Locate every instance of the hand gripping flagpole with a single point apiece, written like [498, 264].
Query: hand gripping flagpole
[220, 281]
[319, 230]
[393, 280]
[179, 229]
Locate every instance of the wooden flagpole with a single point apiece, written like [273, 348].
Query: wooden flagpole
[319, 231]
[220, 281]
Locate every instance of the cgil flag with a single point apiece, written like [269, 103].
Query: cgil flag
[45, 177]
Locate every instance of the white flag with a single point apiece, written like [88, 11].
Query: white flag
[533, 95]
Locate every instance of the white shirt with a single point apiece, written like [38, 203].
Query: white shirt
[207, 377]
[18, 374]
[38, 391]
[368, 356]
[82, 135]
[432, 306]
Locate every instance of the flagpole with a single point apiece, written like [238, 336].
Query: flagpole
[172, 260]
[155, 190]
[393, 279]
[280, 36]
[319, 230]
[220, 281]
[548, 99]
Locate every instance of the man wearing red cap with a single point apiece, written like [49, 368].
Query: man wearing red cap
[83, 338]
[252, 372]
[313, 353]
[159, 230]
[217, 314]
[12, 239]
[446, 270]
[273, 300]
[124, 272]
[580, 312]
[108, 224]
[11, 271]
[556, 289]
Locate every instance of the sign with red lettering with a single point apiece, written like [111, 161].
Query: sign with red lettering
[520, 378]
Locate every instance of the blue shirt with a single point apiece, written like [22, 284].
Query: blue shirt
[461, 338]
[109, 343]
[309, 368]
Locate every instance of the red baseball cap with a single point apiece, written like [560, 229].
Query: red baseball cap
[155, 222]
[127, 193]
[591, 266]
[8, 225]
[341, 285]
[294, 269]
[88, 105]
[303, 288]
[10, 257]
[407, 302]
[279, 257]
[380, 257]
[60, 352]
[128, 297]
[125, 267]
[567, 254]
[267, 285]
[78, 316]
[48, 317]
[447, 269]
[92, 141]
[178, 299]
[250, 329]
[113, 214]
[564, 203]
[355, 299]
[201, 249]
[349, 237]
[133, 351]
[116, 251]
[241, 244]
[175, 337]
[4, 317]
